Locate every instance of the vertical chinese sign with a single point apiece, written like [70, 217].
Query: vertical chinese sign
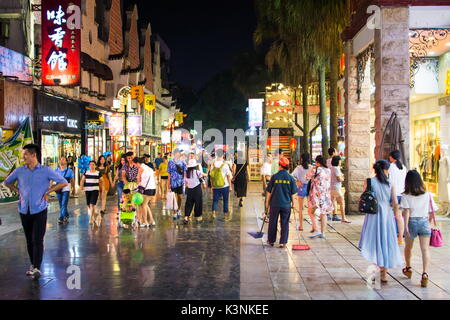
[61, 42]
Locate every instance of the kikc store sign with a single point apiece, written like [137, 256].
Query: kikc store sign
[61, 41]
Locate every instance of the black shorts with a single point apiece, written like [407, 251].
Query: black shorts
[164, 177]
[178, 190]
[91, 197]
[150, 192]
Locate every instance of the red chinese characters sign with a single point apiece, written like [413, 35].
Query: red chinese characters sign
[61, 41]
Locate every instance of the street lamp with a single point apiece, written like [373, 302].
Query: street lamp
[124, 93]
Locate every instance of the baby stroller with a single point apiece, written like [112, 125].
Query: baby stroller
[127, 214]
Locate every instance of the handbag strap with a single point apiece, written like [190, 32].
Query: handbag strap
[369, 185]
[239, 171]
[432, 211]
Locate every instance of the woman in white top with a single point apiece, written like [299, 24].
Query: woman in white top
[418, 206]
[193, 178]
[146, 182]
[397, 175]
[90, 184]
[302, 183]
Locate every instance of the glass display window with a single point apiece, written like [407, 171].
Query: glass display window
[426, 144]
[50, 149]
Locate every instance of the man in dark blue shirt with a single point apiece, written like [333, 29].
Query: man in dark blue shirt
[281, 192]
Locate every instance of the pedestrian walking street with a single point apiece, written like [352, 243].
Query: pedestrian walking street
[214, 259]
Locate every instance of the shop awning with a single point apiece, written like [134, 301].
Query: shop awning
[108, 75]
[86, 62]
[99, 69]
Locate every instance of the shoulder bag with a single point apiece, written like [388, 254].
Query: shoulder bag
[367, 202]
[239, 171]
[436, 235]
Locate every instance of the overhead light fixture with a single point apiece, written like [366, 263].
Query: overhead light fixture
[116, 104]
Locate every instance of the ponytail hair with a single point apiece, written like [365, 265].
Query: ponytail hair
[305, 160]
[379, 167]
[321, 160]
[396, 156]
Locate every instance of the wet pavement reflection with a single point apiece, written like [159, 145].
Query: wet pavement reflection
[169, 261]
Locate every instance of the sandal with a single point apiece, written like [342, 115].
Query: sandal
[300, 229]
[407, 272]
[270, 244]
[282, 245]
[424, 281]
[346, 221]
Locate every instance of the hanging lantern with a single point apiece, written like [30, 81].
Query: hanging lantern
[293, 143]
[269, 143]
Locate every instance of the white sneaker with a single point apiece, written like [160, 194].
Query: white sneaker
[30, 271]
[36, 273]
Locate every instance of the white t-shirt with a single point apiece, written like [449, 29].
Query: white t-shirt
[335, 173]
[419, 206]
[266, 169]
[194, 180]
[225, 171]
[397, 178]
[300, 174]
[148, 178]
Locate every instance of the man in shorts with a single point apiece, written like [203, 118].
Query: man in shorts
[176, 169]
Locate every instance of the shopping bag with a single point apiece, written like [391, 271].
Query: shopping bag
[171, 202]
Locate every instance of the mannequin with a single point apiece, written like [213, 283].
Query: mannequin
[444, 179]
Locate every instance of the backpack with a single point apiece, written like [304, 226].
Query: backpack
[217, 179]
[367, 202]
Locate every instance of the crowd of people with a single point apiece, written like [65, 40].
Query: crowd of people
[137, 180]
[404, 209]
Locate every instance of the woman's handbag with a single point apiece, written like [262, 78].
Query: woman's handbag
[309, 187]
[171, 202]
[436, 236]
[367, 202]
[239, 171]
[142, 189]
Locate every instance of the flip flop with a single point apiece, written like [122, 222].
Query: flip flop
[345, 221]
[317, 234]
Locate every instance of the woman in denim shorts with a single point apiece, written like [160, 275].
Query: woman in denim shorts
[302, 183]
[417, 205]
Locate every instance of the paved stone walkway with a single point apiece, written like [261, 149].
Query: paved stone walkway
[333, 268]
[213, 260]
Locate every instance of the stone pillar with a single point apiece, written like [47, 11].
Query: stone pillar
[392, 77]
[357, 133]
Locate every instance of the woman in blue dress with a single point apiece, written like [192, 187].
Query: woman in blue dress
[378, 242]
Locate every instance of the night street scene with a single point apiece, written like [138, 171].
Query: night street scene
[225, 155]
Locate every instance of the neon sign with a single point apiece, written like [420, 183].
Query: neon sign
[61, 42]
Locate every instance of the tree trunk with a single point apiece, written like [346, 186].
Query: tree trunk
[305, 143]
[323, 110]
[334, 73]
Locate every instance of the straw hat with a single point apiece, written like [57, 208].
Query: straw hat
[192, 163]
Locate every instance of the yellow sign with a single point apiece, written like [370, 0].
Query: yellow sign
[137, 92]
[447, 83]
[150, 102]
[179, 117]
[101, 118]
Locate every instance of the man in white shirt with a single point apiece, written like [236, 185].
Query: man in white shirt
[266, 172]
[221, 185]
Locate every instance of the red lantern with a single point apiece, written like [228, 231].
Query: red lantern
[293, 143]
[269, 143]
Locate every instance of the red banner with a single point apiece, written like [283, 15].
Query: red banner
[61, 42]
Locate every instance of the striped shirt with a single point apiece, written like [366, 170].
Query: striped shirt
[91, 180]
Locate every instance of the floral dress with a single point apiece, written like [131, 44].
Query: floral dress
[320, 194]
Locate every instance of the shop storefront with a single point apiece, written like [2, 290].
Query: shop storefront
[58, 127]
[427, 116]
[98, 140]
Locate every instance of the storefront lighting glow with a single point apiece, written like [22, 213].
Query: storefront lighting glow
[61, 42]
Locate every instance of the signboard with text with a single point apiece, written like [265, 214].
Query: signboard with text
[116, 125]
[134, 125]
[255, 112]
[61, 42]
[150, 102]
[15, 64]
